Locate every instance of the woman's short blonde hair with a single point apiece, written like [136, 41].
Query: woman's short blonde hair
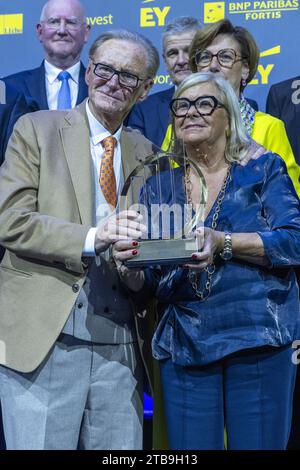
[237, 140]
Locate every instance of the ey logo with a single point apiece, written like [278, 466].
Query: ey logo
[213, 12]
[11, 24]
[264, 71]
[152, 16]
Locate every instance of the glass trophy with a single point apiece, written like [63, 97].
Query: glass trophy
[160, 190]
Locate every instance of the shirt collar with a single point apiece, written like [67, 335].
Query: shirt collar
[97, 130]
[52, 72]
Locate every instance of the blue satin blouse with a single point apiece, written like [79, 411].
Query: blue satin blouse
[249, 306]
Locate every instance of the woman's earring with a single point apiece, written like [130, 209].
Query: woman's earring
[244, 83]
[227, 133]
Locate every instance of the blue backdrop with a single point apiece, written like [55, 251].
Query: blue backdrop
[275, 24]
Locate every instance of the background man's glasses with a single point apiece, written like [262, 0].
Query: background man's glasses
[126, 79]
[225, 57]
[205, 105]
[72, 24]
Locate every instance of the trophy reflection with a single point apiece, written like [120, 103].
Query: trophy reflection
[160, 190]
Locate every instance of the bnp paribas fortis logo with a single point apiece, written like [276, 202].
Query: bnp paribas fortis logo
[213, 12]
[152, 14]
[11, 24]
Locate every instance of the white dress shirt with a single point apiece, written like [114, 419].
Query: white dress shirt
[53, 84]
[97, 134]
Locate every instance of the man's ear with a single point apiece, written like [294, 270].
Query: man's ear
[88, 72]
[87, 32]
[38, 30]
[245, 70]
[147, 87]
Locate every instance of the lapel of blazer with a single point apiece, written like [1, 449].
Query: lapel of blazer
[76, 143]
[82, 86]
[129, 154]
[35, 83]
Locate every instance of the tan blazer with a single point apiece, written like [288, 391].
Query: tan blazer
[46, 208]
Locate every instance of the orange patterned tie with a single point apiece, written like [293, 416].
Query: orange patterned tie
[107, 175]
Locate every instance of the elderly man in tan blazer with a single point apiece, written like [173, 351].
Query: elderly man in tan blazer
[71, 374]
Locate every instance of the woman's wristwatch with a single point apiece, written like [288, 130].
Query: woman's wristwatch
[226, 253]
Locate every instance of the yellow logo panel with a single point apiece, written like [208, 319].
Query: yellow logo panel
[11, 24]
[214, 11]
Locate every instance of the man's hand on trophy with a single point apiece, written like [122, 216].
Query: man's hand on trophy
[123, 226]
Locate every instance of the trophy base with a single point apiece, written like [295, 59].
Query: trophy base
[153, 252]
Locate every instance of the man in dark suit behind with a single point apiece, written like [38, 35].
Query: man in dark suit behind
[13, 104]
[283, 102]
[63, 31]
[152, 116]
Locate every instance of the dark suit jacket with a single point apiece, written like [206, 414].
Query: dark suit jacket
[152, 116]
[12, 105]
[32, 83]
[280, 105]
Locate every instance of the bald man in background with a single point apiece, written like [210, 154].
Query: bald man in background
[58, 83]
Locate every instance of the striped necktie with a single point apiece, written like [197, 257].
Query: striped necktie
[107, 178]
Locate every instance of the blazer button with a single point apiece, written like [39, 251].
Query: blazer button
[75, 288]
[106, 309]
[114, 287]
[80, 305]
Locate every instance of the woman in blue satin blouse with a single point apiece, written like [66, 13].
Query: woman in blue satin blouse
[227, 323]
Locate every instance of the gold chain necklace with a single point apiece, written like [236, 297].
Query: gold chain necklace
[192, 276]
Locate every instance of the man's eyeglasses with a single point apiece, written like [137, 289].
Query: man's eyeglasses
[126, 79]
[72, 24]
[225, 57]
[204, 105]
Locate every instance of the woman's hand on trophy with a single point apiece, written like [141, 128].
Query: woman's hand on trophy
[125, 225]
[212, 243]
[122, 251]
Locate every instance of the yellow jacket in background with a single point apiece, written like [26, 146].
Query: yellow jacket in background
[269, 132]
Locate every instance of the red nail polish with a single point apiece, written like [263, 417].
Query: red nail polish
[135, 244]
[134, 252]
[194, 257]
